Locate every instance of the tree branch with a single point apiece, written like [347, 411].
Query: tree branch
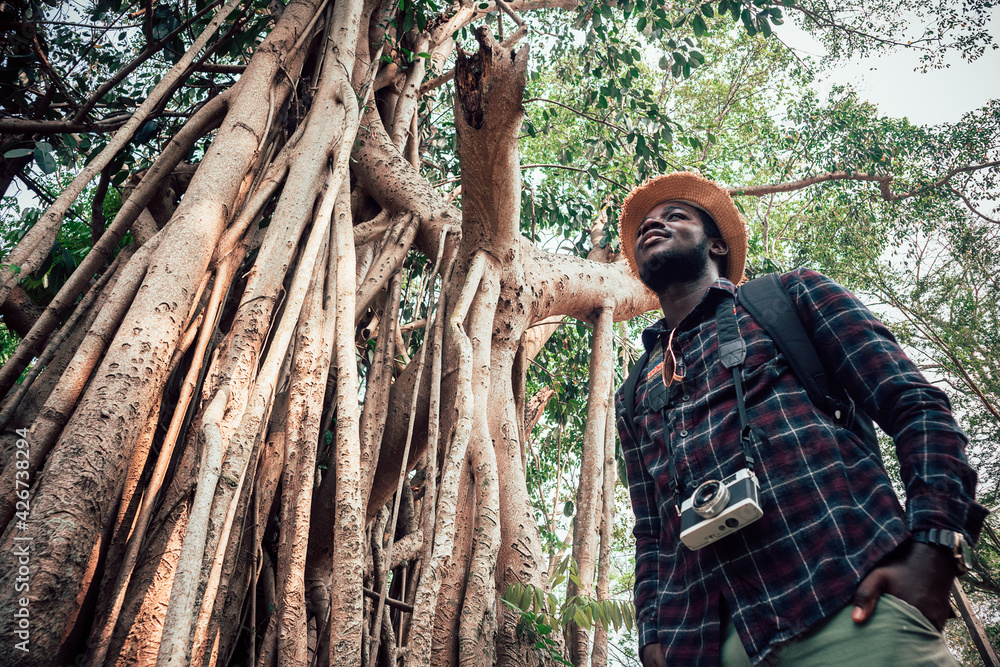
[212, 68]
[578, 113]
[884, 182]
[972, 208]
[57, 81]
[941, 181]
[147, 53]
[110, 124]
[567, 167]
[827, 22]
[147, 21]
[792, 186]
[18, 25]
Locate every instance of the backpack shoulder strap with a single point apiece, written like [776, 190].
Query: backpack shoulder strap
[768, 302]
[628, 392]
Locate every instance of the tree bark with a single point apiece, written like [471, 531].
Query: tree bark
[90, 455]
[587, 521]
[599, 656]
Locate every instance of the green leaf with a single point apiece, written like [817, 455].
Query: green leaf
[568, 507]
[698, 23]
[597, 611]
[765, 27]
[512, 594]
[44, 158]
[664, 63]
[616, 614]
[146, 132]
[527, 596]
[580, 618]
[18, 152]
[641, 24]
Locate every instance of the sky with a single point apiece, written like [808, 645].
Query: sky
[891, 82]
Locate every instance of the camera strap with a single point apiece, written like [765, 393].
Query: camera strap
[732, 353]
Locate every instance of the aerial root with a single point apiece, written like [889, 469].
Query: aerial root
[478, 620]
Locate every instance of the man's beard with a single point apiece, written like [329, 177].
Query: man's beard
[675, 266]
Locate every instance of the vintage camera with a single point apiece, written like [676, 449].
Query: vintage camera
[716, 509]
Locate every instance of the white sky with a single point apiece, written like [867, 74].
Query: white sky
[890, 82]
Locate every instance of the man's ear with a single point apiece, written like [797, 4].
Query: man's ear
[718, 248]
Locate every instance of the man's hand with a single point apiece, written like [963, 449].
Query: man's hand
[652, 656]
[917, 573]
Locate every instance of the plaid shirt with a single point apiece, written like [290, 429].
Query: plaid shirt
[830, 512]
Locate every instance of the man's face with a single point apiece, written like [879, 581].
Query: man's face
[671, 245]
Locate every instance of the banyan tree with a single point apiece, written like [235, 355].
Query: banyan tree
[181, 405]
[242, 431]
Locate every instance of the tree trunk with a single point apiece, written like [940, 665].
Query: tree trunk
[178, 452]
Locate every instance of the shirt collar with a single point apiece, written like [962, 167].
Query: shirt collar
[652, 334]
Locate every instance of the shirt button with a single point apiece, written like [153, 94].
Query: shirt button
[683, 433]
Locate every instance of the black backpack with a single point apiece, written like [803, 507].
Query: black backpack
[767, 301]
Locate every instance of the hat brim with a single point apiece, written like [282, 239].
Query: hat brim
[695, 189]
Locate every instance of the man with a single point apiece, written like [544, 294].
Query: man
[834, 571]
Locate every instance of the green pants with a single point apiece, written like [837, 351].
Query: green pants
[897, 634]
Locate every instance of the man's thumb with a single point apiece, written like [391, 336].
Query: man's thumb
[866, 596]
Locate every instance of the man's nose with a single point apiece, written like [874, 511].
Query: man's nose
[648, 224]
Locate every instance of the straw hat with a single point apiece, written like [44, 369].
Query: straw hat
[690, 188]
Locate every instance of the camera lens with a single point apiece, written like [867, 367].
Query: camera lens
[710, 498]
[706, 493]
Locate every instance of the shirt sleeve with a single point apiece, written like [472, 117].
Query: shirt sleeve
[872, 367]
[642, 490]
